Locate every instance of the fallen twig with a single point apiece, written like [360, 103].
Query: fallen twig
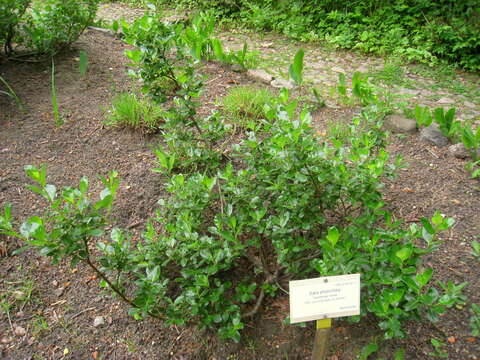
[81, 312]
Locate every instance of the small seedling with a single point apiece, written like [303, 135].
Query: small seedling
[476, 249]
[9, 92]
[439, 350]
[475, 320]
[423, 116]
[296, 68]
[320, 102]
[446, 123]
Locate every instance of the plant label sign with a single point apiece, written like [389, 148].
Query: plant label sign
[325, 297]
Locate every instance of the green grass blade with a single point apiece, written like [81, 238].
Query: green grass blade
[83, 65]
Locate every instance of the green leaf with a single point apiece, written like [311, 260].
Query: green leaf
[367, 351]
[296, 68]
[424, 278]
[399, 354]
[83, 62]
[51, 191]
[333, 235]
[437, 218]
[404, 253]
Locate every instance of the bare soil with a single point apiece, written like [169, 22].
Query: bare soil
[83, 146]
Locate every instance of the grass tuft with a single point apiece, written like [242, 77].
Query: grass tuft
[244, 103]
[128, 110]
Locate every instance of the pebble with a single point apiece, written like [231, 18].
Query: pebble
[19, 331]
[338, 69]
[446, 100]
[98, 321]
[59, 292]
[282, 83]
[6, 340]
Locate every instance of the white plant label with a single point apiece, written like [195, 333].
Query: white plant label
[325, 297]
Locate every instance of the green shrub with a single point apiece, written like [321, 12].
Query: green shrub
[11, 12]
[128, 110]
[43, 27]
[287, 205]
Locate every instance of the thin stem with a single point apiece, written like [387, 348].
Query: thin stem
[88, 261]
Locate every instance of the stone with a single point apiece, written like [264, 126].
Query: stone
[98, 321]
[19, 331]
[338, 69]
[446, 100]
[260, 75]
[362, 69]
[282, 83]
[59, 292]
[469, 104]
[6, 340]
[434, 135]
[426, 93]
[458, 151]
[400, 124]
[406, 91]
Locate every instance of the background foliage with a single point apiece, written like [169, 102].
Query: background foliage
[43, 27]
[418, 30]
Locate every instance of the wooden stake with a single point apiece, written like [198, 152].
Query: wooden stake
[321, 339]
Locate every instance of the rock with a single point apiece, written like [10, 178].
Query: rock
[338, 69]
[446, 100]
[19, 331]
[98, 321]
[400, 124]
[260, 75]
[459, 151]
[434, 135]
[55, 283]
[469, 104]
[267, 45]
[282, 83]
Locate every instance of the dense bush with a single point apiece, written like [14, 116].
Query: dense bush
[419, 30]
[43, 27]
